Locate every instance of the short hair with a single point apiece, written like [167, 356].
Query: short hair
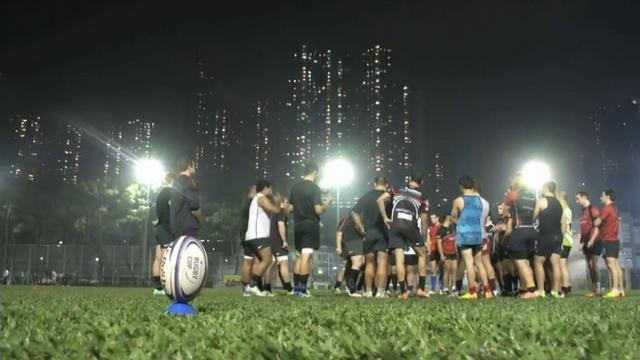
[380, 180]
[610, 193]
[583, 194]
[417, 176]
[170, 177]
[184, 163]
[466, 182]
[262, 184]
[444, 217]
[550, 185]
[311, 168]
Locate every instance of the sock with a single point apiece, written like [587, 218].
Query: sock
[434, 280]
[244, 284]
[287, 286]
[337, 284]
[563, 290]
[487, 287]
[157, 283]
[459, 284]
[598, 287]
[394, 282]
[353, 280]
[492, 284]
[296, 282]
[380, 291]
[422, 280]
[410, 288]
[256, 281]
[403, 287]
[508, 282]
[441, 281]
[531, 287]
[303, 282]
[568, 290]
[360, 282]
[267, 287]
[472, 289]
[516, 283]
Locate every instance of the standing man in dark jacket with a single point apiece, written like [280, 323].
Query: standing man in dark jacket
[186, 215]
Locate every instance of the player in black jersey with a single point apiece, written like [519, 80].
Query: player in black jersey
[407, 228]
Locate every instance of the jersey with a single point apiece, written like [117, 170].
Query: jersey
[610, 223]
[348, 229]
[551, 217]
[407, 206]
[521, 204]
[280, 217]
[259, 224]
[433, 236]
[367, 207]
[470, 225]
[448, 238]
[587, 217]
[485, 214]
[567, 239]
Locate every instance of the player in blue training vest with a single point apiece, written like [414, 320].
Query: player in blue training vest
[469, 218]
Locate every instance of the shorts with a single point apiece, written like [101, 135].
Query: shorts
[163, 237]
[549, 244]
[400, 238]
[565, 252]
[475, 249]
[610, 249]
[451, 257]
[502, 251]
[353, 247]
[255, 245]
[376, 240]
[522, 243]
[596, 249]
[410, 260]
[307, 235]
[276, 247]
[435, 256]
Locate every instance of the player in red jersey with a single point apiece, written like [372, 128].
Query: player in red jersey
[589, 231]
[435, 260]
[609, 224]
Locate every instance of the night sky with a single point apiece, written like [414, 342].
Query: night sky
[494, 84]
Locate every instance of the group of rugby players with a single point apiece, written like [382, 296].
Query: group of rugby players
[388, 238]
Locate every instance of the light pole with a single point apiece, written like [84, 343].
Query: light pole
[151, 173]
[6, 235]
[337, 173]
[536, 173]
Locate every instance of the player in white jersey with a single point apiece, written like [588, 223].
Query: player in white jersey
[258, 233]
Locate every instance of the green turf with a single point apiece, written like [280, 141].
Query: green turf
[81, 323]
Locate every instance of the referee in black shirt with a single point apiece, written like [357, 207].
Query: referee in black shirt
[307, 206]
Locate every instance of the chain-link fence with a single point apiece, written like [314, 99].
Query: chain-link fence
[122, 265]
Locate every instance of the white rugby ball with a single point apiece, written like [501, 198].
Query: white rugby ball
[184, 269]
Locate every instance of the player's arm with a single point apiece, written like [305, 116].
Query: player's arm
[424, 223]
[440, 248]
[339, 241]
[597, 222]
[320, 207]
[458, 203]
[382, 207]
[267, 205]
[541, 204]
[564, 225]
[282, 230]
[357, 220]
[509, 227]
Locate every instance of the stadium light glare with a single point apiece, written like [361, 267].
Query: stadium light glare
[150, 172]
[337, 173]
[536, 173]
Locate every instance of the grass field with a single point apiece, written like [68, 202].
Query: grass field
[115, 323]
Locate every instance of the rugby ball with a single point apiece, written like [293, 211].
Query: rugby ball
[184, 269]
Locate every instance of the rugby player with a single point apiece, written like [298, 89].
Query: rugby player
[258, 234]
[588, 231]
[248, 257]
[353, 248]
[446, 242]
[163, 230]
[280, 247]
[435, 260]
[520, 204]
[307, 206]
[608, 223]
[467, 214]
[407, 228]
[567, 243]
[551, 229]
[368, 221]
